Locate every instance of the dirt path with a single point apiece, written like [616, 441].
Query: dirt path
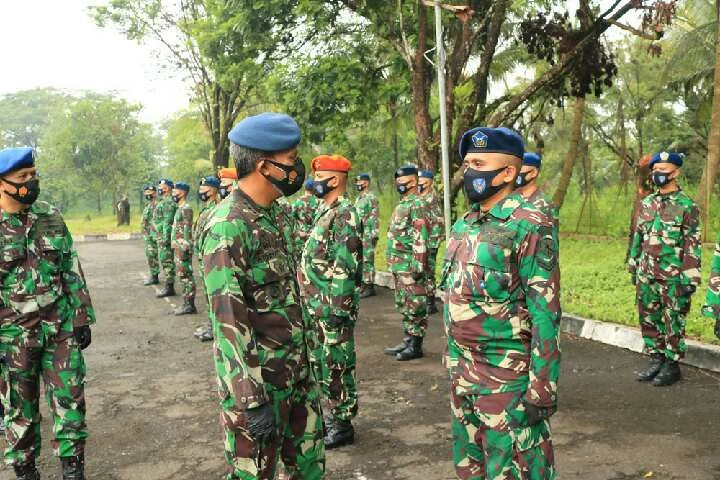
[153, 412]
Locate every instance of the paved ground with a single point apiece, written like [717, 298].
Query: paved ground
[153, 413]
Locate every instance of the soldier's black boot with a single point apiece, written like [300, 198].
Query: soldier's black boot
[669, 374]
[368, 290]
[412, 351]
[168, 291]
[188, 308]
[26, 471]
[431, 306]
[398, 348]
[339, 433]
[73, 468]
[657, 360]
[151, 280]
[206, 335]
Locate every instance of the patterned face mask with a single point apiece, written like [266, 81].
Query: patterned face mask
[478, 184]
[25, 192]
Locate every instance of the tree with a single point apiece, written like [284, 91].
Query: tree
[188, 147]
[24, 115]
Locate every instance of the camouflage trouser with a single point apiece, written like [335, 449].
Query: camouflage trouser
[432, 265]
[35, 348]
[334, 363]
[411, 301]
[151, 252]
[491, 439]
[184, 270]
[662, 312]
[368, 260]
[298, 440]
[167, 261]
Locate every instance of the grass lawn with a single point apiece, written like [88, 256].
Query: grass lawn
[85, 224]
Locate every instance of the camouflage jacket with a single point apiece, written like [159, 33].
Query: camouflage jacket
[408, 236]
[437, 221]
[540, 202]
[666, 245]
[254, 302]
[163, 217]
[502, 295]
[368, 209]
[331, 266]
[712, 297]
[304, 210]
[39, 267]
[182, 228]
[146, 224]
[203, 217]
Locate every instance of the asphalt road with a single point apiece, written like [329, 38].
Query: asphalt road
[153, 411]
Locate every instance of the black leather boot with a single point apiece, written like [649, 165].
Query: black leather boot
[669, 374]
[73, 468]
[168, 291]
[206, 335]
[657, 360]
[188, 308]
[339, 433]
[412, 351]
[398, 348]
[26, 471]
[151, 280]
[368, 290]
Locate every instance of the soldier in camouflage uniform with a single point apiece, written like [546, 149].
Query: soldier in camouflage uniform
[407, 253]
[526, 185]
[150, 236]
[228, 177]
[330, 276]
[303, 213]
[711, 309]
[502, 317]
[182, 243]
[45, 318]
[437, 231]
[665, 267]
[268, 396]
[163, 219]
[368, 208]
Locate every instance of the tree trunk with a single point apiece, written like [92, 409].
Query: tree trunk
[421, 80]
[571, 155]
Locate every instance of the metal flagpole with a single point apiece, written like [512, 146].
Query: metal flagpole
[443, 118]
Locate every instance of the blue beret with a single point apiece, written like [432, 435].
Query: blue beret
[308, 183]
[15, 158]
[182, 186]
[268, 132]
[166, 181]
[406, 170]
[492, 140]
[532, 160]
[363, 176]
[666, 157]
[426, 174]
[210, 181]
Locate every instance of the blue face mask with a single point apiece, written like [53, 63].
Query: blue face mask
[320, 188]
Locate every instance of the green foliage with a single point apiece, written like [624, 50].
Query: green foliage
[188, 148]
[24, 115]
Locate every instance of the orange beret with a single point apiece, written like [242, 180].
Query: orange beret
[332, 163]
[227, 173]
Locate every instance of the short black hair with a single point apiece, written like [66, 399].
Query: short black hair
[246, 159]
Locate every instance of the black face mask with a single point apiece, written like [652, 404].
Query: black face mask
[294, 177]
[522, 180]
[149, 197]
[26, 192]
[320, 188]
[403, 188]
[204, 196]
[360, 188]
[478, 184]
[176, 198]
[661, 178]
[223, 192]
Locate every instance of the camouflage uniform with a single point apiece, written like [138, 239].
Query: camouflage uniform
[711, 308]
[540, 202]
[437, 232]
[163, 217]
[150, 237]
[502, 318]
[330, 277]
[261, 351]
[369, 211]
[304, 210]
[664, 258]
[182, 244]
[43, 297]
[407, 253]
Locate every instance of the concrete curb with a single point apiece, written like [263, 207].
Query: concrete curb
[109, 237]
[699, 354]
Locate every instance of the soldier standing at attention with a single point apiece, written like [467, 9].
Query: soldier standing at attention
[182, 243]
[163, 219]
[368, 208]
[407, 253]
[208, 193]
[437, 231]
[526, 184]
[665, 267]
[502, 318]
[268, 396]
[711, 308]
[150, 235]
[303, 213]
[228, 177]
[45, 318]
[330, 276]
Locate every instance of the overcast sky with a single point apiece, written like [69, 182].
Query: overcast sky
[54, 43]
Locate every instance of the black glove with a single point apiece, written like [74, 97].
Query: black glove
[687, 290]
[261, 423]
[83, 336]
[537, 414]
[717, 328]
[335, 321]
